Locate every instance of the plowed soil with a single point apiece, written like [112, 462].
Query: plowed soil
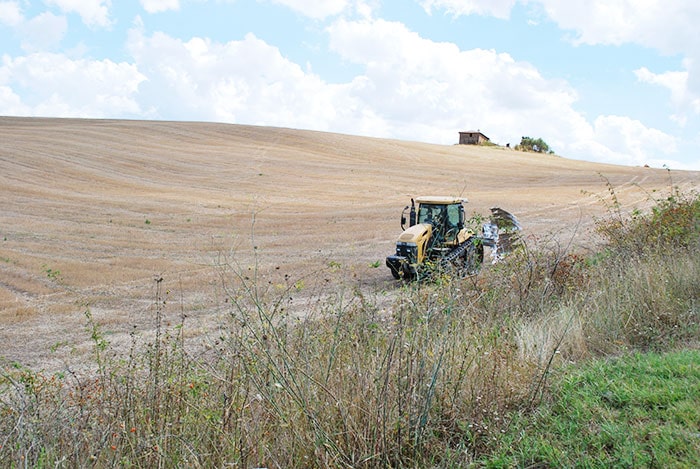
[126, 218]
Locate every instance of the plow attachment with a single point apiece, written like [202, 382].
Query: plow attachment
[501, 233]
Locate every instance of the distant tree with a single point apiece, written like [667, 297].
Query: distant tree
[534, 144]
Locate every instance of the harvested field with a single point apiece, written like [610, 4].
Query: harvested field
[95, 211]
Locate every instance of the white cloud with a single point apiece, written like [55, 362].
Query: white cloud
[159, 6]
[669, 27]
[423, 90]
[54, 85]
[94, 13]
[498, 8]
[683, 98]
[675, 82]
[11, 104]
[666, 26]
[43, 32]
[430, 90]
[315, 8]
[10, 14]
[632, 142]
[245, 81]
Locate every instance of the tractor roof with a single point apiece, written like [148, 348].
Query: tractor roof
[440, 200]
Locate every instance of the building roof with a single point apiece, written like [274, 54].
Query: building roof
[474, 132]
[439, 199]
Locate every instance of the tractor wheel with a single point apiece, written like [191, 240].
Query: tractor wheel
[472, 259]
[395, 273]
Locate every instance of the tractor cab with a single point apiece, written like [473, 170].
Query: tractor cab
[445, 215]
[446, 220]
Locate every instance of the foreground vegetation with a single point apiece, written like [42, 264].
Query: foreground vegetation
[511, 369]
[641, 410]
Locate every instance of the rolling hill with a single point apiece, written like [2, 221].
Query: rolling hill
[95, 211]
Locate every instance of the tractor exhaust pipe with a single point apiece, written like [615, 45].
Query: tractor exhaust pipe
[412, 214]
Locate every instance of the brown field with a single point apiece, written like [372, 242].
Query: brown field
[94, 211]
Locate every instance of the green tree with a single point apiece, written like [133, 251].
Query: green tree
[534, 144]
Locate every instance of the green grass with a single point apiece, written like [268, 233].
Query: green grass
[641, 410]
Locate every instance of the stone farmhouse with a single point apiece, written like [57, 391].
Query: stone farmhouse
[472, 137]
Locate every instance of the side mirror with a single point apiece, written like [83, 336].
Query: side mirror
[403, 217]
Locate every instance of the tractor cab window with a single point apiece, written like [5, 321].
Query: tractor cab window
[431, 214]
[454, 215]
[441, 216]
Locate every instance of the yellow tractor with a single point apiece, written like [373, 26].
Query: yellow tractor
[437, 238]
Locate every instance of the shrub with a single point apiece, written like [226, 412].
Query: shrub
[533, 144]
[673, 222]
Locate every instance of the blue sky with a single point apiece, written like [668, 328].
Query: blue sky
[614, 81]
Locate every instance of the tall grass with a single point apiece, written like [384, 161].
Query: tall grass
[431, 382]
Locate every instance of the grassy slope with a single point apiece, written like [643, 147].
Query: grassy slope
[637, 411]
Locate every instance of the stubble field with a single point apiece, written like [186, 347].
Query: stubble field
[104, 215]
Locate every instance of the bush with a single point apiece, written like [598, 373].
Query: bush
[345, 385]
[533, 144]
[672, 222]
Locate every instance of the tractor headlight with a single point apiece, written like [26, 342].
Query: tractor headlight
[407, 250]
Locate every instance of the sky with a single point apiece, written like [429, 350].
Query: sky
[613, 81]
